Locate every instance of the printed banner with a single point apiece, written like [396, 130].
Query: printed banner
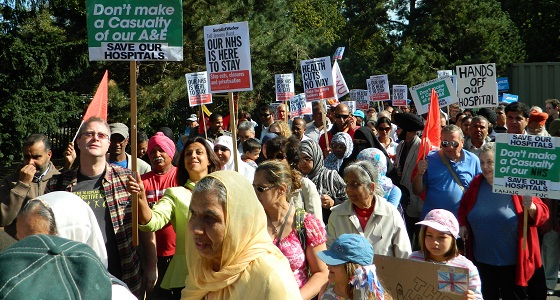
[318, 82]
[338, 53]
[378, 88]
[284, 86]
[443, 73]
[444, 89]
[476, 86]
[399, 95]
[351, 105]
[299, 107]
[361, 97]
[197, 87]
[341, 87]
[228, 57]
[527, 165]
[140, 30]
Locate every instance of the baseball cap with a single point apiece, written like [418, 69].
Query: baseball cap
[348, 248]
[359, 113]
[119, 128]
[441, 220]
[51, 267]
[192, 118]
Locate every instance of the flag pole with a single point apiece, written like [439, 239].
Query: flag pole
[133, 147]
[203, 122]
[233, 131]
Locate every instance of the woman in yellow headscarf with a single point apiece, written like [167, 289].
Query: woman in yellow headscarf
[231, 253]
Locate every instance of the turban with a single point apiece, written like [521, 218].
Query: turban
[166, 144]
[539, 117]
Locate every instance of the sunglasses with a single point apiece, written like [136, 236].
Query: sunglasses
[384, 129]
[262, 189]
[446, 144]
[222, 148]
[265, 115]
[338, 116]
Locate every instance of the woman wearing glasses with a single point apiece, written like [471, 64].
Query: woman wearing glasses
[383, 127]
[299, 235]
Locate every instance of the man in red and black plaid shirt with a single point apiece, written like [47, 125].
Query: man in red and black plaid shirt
[103, 187]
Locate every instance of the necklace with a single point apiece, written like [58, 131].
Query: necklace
[275, 227]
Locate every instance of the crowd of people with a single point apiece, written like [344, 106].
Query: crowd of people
[292, 209]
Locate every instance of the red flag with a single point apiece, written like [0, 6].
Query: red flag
[98, 106]
[431, 136]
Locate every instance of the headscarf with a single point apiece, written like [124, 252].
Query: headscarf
[75, 221]
[331, 161]
[366, 134]
[243, 167]
[327, 181]
[379, 161]
[251, 266]
[166, 144]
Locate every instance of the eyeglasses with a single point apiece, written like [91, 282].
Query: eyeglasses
[262, 189]
[384, 129]
[446, 144]
[100, 135]
[222, 148]
[339, 116]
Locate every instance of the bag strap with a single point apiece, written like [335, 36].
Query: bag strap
[300, 228]
[279, 236]
[446, 163]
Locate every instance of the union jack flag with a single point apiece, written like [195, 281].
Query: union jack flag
[448, 281]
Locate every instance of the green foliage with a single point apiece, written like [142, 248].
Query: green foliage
[442, 35]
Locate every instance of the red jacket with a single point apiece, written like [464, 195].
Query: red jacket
[527, 260]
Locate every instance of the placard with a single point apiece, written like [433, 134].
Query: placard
[427, 281]
[378, 88]
[197, 88]
[361, 97]
[527, 165]
[317, 76]
[444, 88]
[476, 86]
[228, 57]
[284, 84]
[399, 95]
[299, 107]
[341, 87]
[351, 105]
[140, 30]
[509, 98]
[338, 53]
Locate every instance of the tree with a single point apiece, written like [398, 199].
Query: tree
[441, 35]
[538, 26]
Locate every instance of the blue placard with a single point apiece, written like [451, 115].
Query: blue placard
[509, 98]
[503, 84]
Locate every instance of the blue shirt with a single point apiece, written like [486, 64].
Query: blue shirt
[494, 227]
[441, 189]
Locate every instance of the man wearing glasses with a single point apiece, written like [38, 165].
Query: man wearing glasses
[343, 122]
[103, 187]
[450, 172]
[551, 107]
[267, 117]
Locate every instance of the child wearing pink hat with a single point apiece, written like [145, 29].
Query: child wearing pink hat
[438, 244]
